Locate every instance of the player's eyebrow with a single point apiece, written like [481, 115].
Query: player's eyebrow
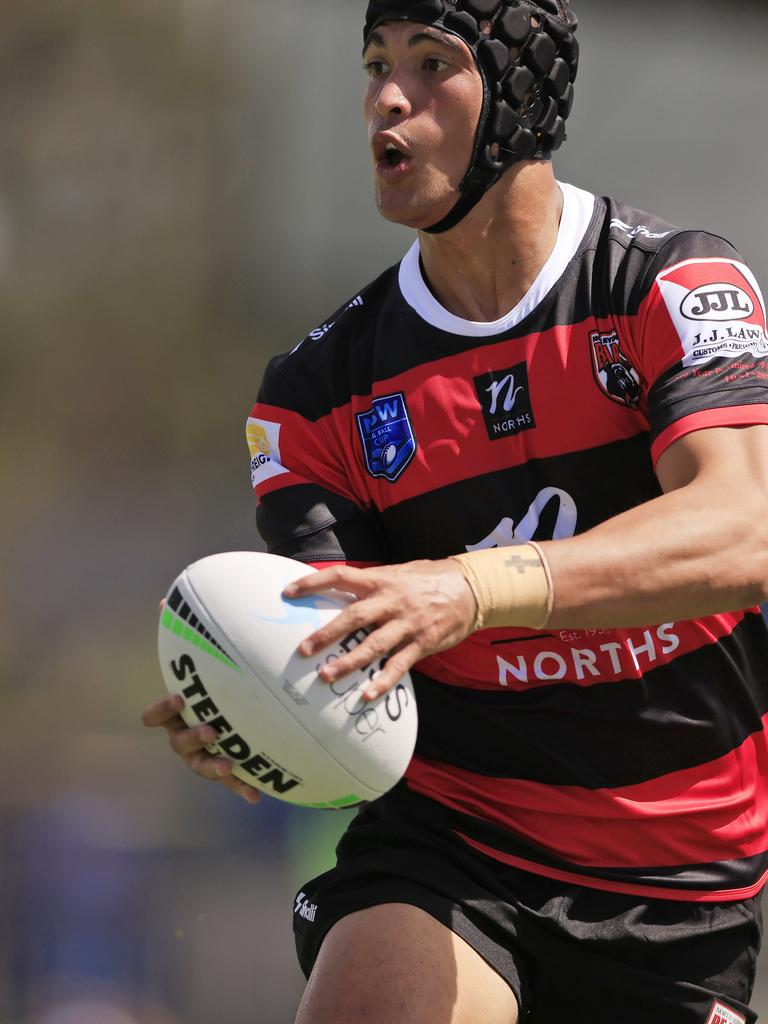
[430, 35]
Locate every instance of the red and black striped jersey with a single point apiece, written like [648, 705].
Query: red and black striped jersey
[632, 760]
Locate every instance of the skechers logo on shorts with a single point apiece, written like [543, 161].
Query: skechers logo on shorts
[387, 436]
[304, 908]
[505, 399]
[722, 1014]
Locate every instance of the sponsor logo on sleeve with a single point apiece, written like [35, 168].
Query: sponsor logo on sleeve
[717, 302]
[264, 446]
[717, 310]
[639, 231]
[614, 372]
[722, 1014]
[320, 332]
[387, 436]
[505, 398]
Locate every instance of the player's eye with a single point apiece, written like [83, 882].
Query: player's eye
[435, 65]
[374, 68]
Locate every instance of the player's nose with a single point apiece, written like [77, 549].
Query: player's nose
[392, 101]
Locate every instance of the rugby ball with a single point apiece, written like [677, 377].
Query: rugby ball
[228, 642]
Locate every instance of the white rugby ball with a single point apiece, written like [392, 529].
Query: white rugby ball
[228, 642]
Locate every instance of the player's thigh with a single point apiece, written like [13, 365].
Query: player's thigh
[395, 964]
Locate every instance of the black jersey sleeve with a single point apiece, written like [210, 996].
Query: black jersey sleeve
[701, 339]
[307, 507]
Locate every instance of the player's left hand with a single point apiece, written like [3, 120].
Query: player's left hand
[412, 611]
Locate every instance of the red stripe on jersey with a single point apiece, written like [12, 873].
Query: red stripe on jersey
[663, 347]
[306, 451]
[580, 657]
[717, 811]
[627, 888]
[734, 416]
[447, 417]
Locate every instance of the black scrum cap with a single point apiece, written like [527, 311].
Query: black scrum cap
[527, 55]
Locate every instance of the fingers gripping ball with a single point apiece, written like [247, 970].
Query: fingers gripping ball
[228, 642]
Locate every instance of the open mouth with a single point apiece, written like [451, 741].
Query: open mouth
[393, 156]
[392, 161]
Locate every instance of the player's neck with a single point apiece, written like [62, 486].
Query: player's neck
[483, 267]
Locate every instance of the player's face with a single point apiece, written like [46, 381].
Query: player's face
[422, 106]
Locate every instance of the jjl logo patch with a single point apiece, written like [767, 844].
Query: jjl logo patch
[722, 1014]
[613, 370]
[387, 435]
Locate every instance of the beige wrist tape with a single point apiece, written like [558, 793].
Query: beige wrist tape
[512, 586]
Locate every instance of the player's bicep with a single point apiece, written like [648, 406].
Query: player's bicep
[731, 461]
[307, 505]
[310, 523]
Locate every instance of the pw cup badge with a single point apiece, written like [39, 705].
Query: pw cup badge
[387, 436]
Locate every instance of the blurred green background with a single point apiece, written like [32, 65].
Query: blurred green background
[185, 191]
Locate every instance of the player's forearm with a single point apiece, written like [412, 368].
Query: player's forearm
[683, 555]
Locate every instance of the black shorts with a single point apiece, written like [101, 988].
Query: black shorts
[570, 954]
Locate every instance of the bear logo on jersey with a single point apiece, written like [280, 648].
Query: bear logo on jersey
[389, 443]
[613, 369]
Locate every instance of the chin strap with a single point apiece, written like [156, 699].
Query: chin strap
[471, 191]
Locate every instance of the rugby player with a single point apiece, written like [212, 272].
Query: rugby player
[536, 450]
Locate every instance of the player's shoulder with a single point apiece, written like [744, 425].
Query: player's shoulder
[635, 247]
[651, 239]
[348, 325]
[315, 375]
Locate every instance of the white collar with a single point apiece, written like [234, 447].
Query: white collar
[578, 207]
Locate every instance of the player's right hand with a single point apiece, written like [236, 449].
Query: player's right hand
[190, 746]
